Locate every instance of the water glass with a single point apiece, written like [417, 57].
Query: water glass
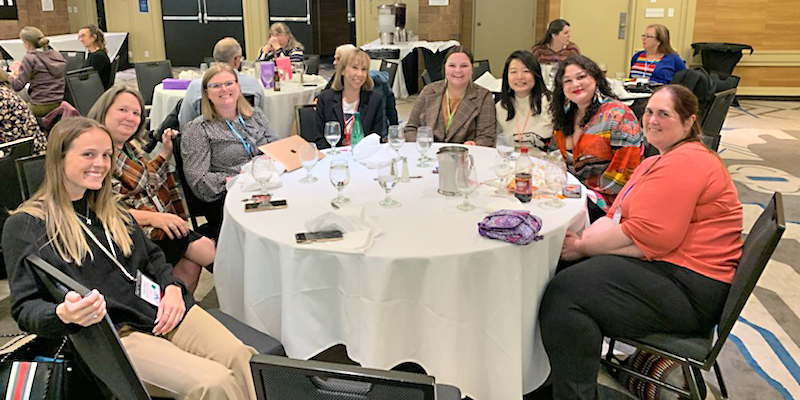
[424, 142]
[555, 179]
[203, 68]
[263, 169]
[504, 144]
[333, 133]
[396, 138]
[466, 182]
[340, 177]
[387, 178]
[503, 168]
[308, 158]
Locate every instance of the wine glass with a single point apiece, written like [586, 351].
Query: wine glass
[333, 133]
[263, 169]
[466, 182]
[503, 168]
[424, 142]
[308, 158]
[555, 178]
[504, 145]
[387, 178]
[396, 138]
[340, 177]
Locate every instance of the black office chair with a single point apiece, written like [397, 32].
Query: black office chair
[150, 74]
[426, 78]
[11, 199]
[715, 118]
[83, 88]
[114, 70]
[74, 59]
[481, 67]
[281, 378]
[306, 118]
[700, 352]
[391, 68]
[30, 174]
[312, 63]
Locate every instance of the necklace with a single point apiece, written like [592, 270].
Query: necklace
[86, 217]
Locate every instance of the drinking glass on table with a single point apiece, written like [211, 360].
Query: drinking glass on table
[263, 169]
[333, 133]
[466, 182]
[503, 168]
[308, 158]
[340, 177]
[387, 178]
[555, 179]
[396, 138]
[504, 145]
[424, 142]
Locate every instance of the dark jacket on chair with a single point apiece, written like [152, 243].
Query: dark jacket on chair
[371, 106]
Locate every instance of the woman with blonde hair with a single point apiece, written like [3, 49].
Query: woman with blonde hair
[351, 92]
[43, 68]
[94, 40]
[658, 62]
[75, 223]
[225, 137]
[281, 44]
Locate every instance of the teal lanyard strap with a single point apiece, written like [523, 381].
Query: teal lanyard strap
[235, 132]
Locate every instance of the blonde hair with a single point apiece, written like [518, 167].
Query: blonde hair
[207, 108]
[52, 204]
[352, 57]
[662, 35]
[103, 103]
[283, 29]
[33, 36]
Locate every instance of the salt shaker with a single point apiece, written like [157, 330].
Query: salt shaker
[404, 173]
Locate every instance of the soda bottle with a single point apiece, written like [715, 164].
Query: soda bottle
[522, 177]
[277, 79]
[357, 133]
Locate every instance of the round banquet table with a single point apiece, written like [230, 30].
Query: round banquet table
[430, 290]
[278, 106]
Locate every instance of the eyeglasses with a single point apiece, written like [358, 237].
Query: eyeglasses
[218, 85]
[646, 36]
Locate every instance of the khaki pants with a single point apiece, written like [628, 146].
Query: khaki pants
[200, 360]
[40, 110]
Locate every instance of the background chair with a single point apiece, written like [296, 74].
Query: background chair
[74, 59]
[426, 78]
[30, 174]
[481, 67]
[700, 352]
[306, 117]
[280, 378]
[391, 68]
[433, 63]
[114, 69]
[11, 198]
[150, 74]
[715, 118]
[312, 63]
[83, 88]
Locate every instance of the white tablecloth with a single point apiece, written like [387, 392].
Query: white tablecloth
[278, 106]
[68, 42]
[430, 290]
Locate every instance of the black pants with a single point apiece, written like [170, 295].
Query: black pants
[618, 296]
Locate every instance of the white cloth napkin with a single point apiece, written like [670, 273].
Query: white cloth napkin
[249, 184]
[371, 153]
[359, 230]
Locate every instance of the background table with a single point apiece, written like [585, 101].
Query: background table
[430, 290]
[278, 106]
[68, 42]
[399, 87]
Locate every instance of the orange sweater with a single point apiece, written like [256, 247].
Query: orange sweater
[682, 208]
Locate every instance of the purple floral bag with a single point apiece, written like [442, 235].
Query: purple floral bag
[513, 226]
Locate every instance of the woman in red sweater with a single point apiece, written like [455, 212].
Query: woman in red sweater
[661, 260]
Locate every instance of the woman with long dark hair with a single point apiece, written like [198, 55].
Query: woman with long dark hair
[555, 45]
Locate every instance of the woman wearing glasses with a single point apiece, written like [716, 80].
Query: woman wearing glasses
[658, 61]
[224, 137]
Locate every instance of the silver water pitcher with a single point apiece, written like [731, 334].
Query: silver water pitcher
[450, 157]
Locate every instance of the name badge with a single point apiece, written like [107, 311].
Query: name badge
[147, 289]
[617, 215]
[158, 204]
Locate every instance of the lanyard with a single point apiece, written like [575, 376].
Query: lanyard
[525, 125]
[235, 132]
[113, 257]
[450, 114]
[127, 152]
[637, 181]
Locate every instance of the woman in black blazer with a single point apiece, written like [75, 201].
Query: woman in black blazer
[351, 91]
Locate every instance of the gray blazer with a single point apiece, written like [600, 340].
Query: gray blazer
[474, 119]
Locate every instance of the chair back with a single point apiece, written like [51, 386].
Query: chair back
[756, 252]
[84, 87]
[306, 117]
[700, 83]
[481, 67]
[150, 74]
[391, 68]
[194, 205]
[715, 118]
[30, 174]
[114, 69]
[11, 151]
[74, 59]
[312, 64]
[98, 345]
[426, 78]
[434, 63]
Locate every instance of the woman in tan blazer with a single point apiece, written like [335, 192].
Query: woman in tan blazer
[456, 109]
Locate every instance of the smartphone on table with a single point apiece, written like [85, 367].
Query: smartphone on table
[321, 236]
[572, 191]
[264, 205]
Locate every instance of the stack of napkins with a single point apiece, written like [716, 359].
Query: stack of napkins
[359, 230]
[371, 153]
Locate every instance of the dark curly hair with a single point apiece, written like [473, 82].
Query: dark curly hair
[564, 120]
[539, 88]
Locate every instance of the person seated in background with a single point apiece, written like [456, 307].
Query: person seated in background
[16, 119]
[94, 40]
[522, 112]
[598, 136]
[661, 261]
[281, 44]
[215, 145]
[351, 92]
[75, 223]
[227, 51]
[147, 187]
[43, 68]
[379, 78]
[658, 62]
[457, 110]
[555, 46]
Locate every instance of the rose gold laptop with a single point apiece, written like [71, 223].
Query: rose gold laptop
[287, 151]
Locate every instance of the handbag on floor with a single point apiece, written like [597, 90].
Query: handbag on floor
[656, 367]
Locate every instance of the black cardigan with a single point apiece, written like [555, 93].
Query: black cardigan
[371, 107]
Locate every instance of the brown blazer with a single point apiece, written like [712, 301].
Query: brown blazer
[474, 119]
